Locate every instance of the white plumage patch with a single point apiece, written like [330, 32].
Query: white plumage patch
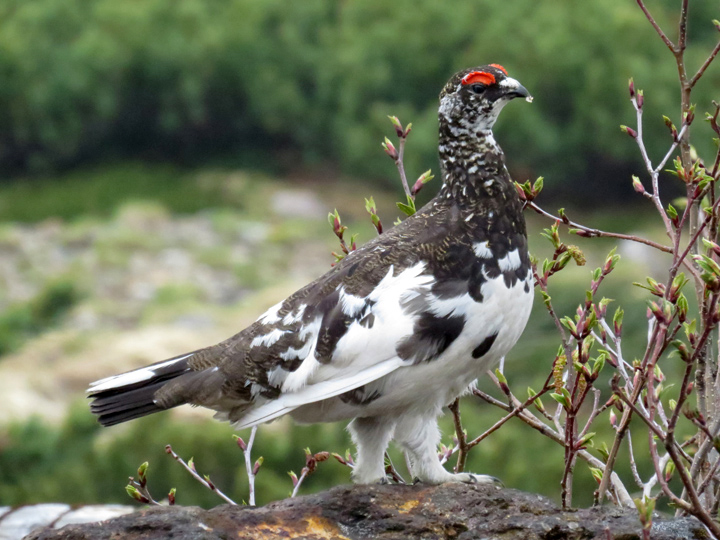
[271, 315]
[361, 349]
[482, 250]
[268, 339]
[294, 316]
[511, 261]
[460, 305]
[299, 378]
[351, 304]
[362, 346]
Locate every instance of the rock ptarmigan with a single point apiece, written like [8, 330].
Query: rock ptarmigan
[395, 331]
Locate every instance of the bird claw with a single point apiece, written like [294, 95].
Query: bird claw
[470, 478]
[464, 478]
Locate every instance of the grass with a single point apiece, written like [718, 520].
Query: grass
[100, 191]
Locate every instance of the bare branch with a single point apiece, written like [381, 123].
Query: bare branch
[705, 65]
[655, 25]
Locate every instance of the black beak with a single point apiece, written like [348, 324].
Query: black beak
[520, 91]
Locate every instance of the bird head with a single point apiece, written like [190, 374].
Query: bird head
[473, 98]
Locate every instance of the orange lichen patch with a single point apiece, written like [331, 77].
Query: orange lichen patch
[323, 528]
[482, 77]
[405, 508]
[310, 528]
[500, 68]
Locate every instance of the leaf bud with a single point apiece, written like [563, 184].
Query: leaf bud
[142, 473]
[240, 443]
[390, 149]
[135, 494]
[637, 185]
[397, 125]
[630, 131]
[208, 481]
[421, 181]
[640, 99]
[294, 478]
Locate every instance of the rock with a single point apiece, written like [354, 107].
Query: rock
[92, 514]
[300, 203]
[22, 521]
[449, 511]
[15, 524]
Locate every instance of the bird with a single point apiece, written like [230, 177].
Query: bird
[395, 331]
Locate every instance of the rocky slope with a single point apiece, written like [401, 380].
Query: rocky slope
[449, 511]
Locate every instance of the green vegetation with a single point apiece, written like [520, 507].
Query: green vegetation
[21, 321]
[312, 81]
[100, 191]
[80, 462]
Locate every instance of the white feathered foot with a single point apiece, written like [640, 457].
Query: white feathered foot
[418, 436]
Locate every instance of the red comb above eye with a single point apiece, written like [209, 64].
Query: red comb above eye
[482, 77]
[500, 68]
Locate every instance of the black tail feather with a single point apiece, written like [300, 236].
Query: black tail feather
[131, 398]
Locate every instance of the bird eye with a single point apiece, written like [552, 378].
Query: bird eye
[477, 88]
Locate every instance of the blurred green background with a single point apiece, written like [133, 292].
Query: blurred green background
[166, 167]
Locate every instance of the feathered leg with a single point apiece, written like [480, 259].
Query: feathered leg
[419, 437]
[371, 437]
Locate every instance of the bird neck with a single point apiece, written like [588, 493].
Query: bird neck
[472, 165]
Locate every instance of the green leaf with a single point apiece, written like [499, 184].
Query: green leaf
[405, 209]
[618, 317]
[587, 438]
[538, 185]
[561, 399]
[142, 471]
[690, 328]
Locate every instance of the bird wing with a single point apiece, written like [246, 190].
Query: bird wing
[315, 392]
[336, 334]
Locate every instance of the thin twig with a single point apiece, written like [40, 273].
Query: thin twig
[597, 232]
[705, 65]
[657, 28]
[531, 420]
[460, 435]
[204, 481]
[515, 411]
[401, 166]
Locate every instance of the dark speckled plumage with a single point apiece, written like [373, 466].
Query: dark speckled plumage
[471, 233]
